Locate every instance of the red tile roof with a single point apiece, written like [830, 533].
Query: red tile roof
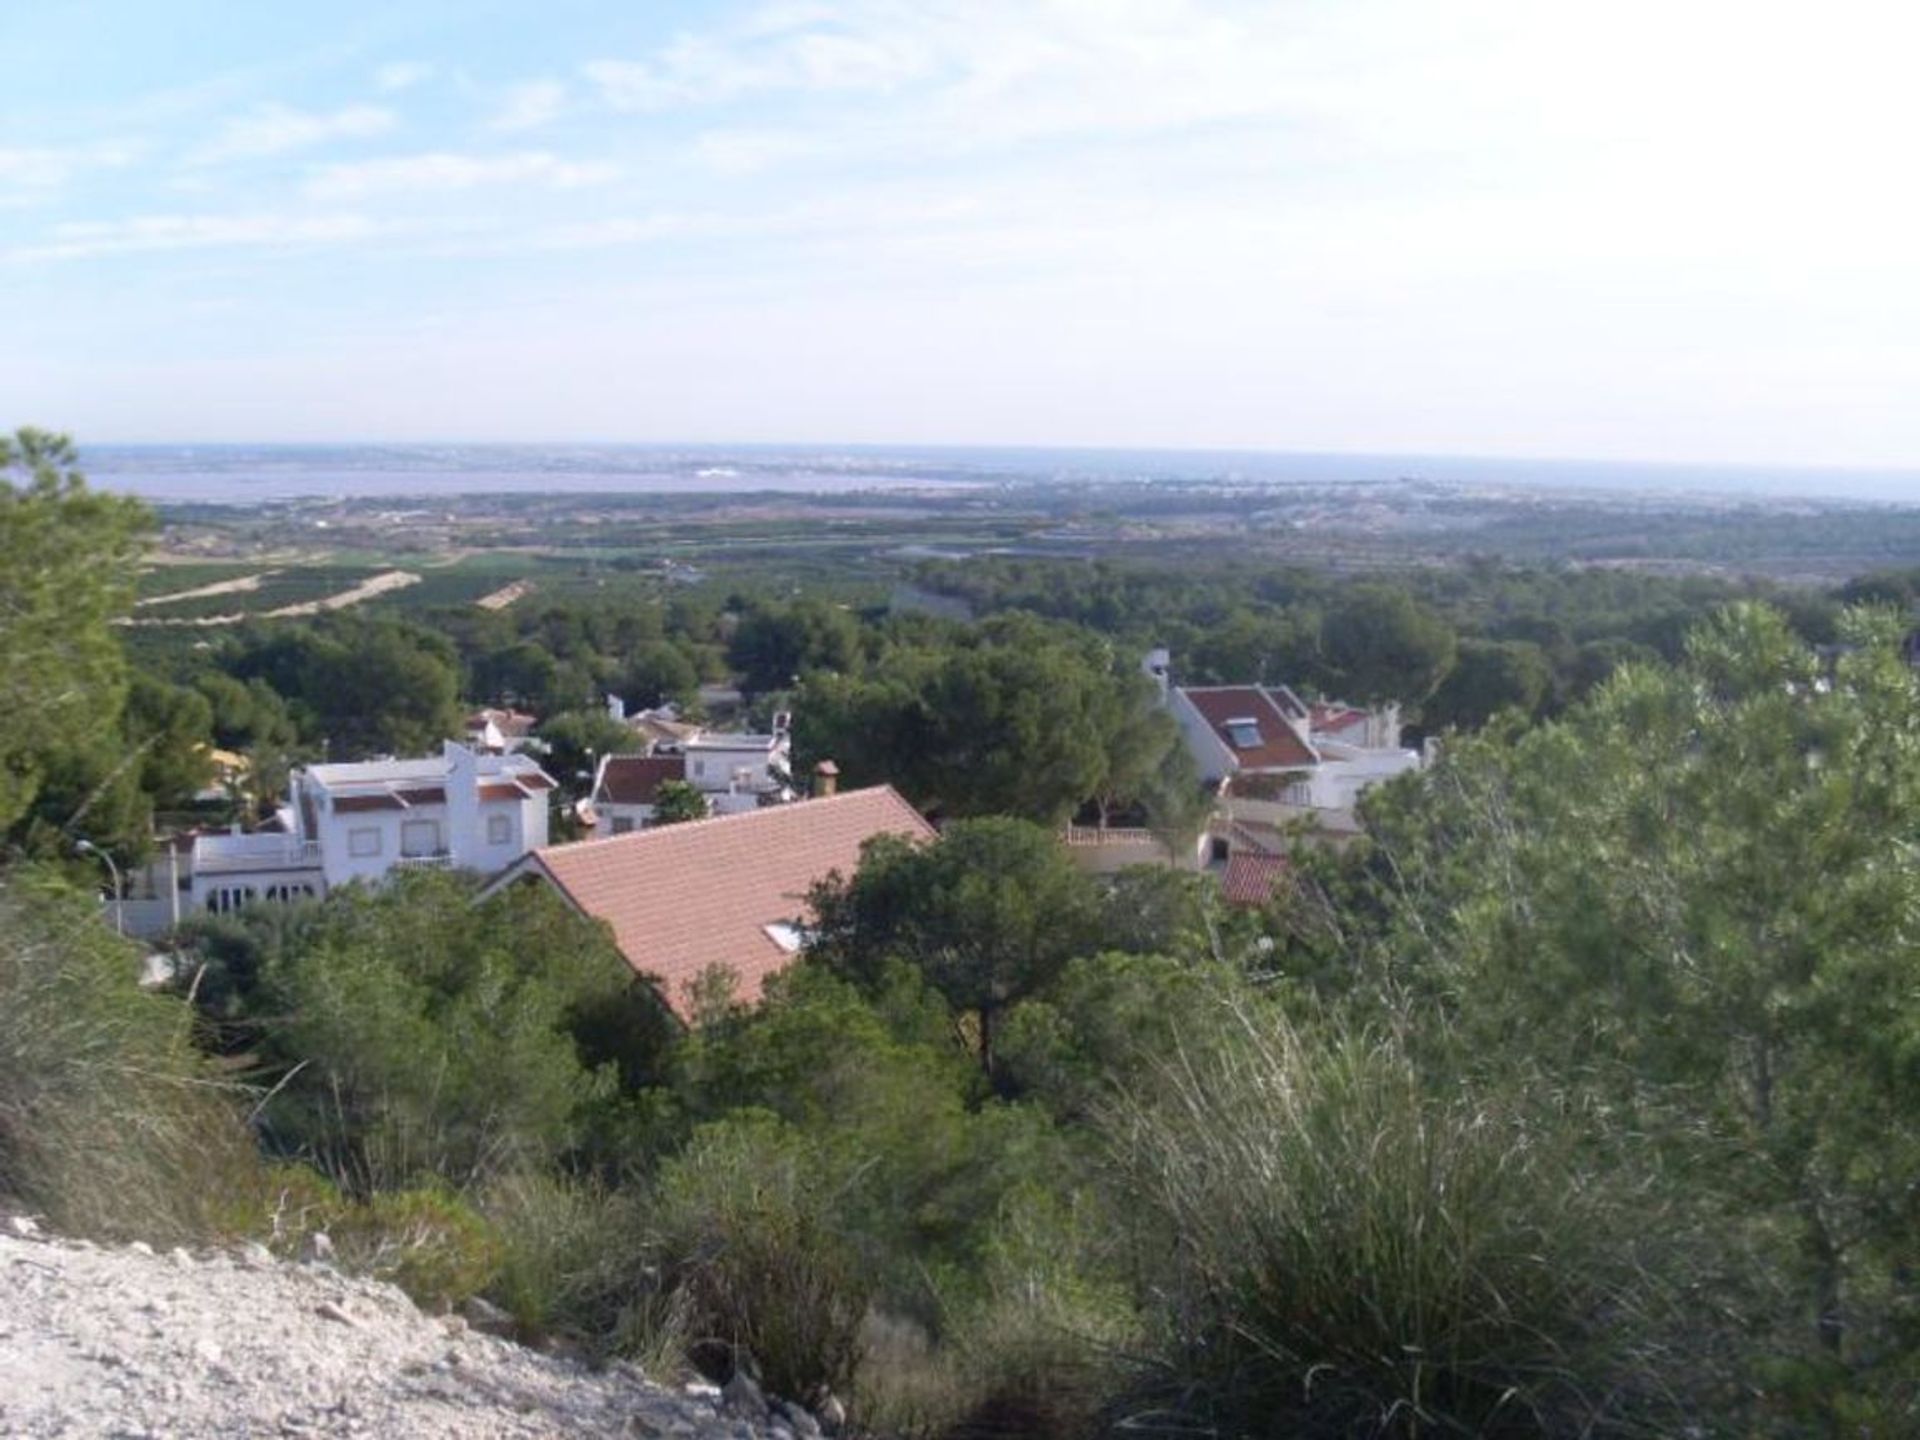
[636, 779]
[512, 724]
[1336, 717]
[1252, 879]
[684, 898]
[1279, 746]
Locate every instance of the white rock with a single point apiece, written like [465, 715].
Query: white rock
[23, 1226]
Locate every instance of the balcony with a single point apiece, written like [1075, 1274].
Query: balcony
[253, 854]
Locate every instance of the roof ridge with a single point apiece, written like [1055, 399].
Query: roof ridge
[685, 826]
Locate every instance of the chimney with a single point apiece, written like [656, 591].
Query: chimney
[826, 779]
[616, 708]
[1157, 664]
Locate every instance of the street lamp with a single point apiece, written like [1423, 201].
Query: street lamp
[87, 847]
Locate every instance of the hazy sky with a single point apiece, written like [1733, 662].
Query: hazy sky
[1666, 229]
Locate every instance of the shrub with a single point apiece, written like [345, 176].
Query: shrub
[428, 1242]
[743, 1225]
[1338, 1252]
[111, 1125]
[565, 1262]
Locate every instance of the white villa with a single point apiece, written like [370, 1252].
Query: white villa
[462, 810]
[736, 772]
[1273, 759]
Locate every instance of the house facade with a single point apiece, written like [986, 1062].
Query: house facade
[1273, 760]
[462, 810]
[626, 789]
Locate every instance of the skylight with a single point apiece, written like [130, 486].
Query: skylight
[1244, 733]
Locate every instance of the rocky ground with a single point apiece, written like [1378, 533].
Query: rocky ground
[124, 1342]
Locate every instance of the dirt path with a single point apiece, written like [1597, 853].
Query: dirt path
[381, 584]
[506, 595]
[238, 586]
[99, 1341]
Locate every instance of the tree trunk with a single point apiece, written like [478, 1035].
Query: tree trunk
[1824, 1255]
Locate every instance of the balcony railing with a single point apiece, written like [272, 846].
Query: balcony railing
[439, 860]
[250, 854]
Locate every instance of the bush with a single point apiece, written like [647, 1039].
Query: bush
[743, 1225]
[428, 1242]
[566, 1264]
[1342, 1253]
[111, 1125]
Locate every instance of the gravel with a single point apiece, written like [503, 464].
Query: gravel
[128, 1343]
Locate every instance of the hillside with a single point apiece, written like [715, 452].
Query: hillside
[126, 1342]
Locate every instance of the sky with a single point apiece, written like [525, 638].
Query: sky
[1680, 230]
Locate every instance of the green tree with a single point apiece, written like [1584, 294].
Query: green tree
[677, 801]
[1695, 892]
[576, 741]
[1490, 676]
[988, 915]
[424, 1036]
[774, 644]
[658, 672]
[1379, 644]
[67, 556]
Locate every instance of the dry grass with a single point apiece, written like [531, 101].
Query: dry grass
[111, 1124]
[1343, 1252]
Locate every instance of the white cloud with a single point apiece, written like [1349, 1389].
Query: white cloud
[401, 75]
[445, 170]
[530, 105]
[78, 240]
[46, 168]
[275, 129]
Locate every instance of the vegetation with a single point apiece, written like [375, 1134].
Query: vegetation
[1579, 1098]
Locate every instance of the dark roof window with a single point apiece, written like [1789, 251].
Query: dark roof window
[1244, 732]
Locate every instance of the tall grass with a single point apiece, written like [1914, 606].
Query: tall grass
[1335, 1249]
[111, 1125]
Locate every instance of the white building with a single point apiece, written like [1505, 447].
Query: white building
[460, 811]
[627, 787]
[741, 772]
[1273, 759]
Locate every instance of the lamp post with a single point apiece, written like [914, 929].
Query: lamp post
[87, 847]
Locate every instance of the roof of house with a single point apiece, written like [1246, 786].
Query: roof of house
[1252, 879]
[415, 781]
[1334, 718]
[682, 899]
[1252, 726]
[636, 779]
[663, 725]
[514, 724]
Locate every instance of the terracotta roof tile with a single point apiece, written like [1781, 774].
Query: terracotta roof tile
[1277, 744]
[1252, 879]
[636, 779]
[684, 898]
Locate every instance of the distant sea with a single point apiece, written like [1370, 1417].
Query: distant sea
[255, 474]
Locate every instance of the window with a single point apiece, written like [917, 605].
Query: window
[1244, 733]
[499, 829]
[230, 898]
[788, 937]
[363, 844]
[420, 837]
[623, 824]
[700, 767]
